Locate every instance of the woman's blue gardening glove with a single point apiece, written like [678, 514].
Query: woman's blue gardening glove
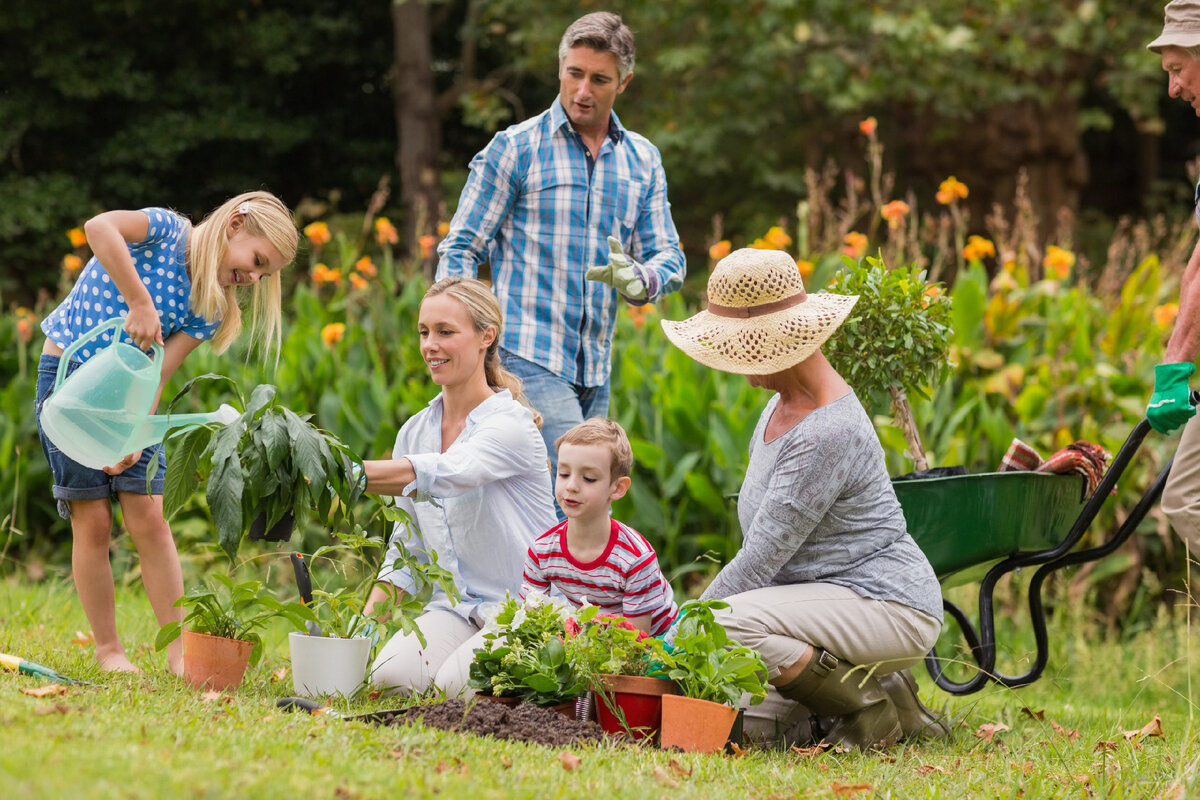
[621, 272]
[1169, 405]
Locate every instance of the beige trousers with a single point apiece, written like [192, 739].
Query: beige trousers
[1181, 495]
[780, 622]
[404, 665]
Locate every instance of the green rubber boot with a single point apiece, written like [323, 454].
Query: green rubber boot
[917, 721]
[853, 709]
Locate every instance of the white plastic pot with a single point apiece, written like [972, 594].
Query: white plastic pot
[323, 665]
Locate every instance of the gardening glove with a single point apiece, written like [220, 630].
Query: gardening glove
[621, 272]
[1169, 405]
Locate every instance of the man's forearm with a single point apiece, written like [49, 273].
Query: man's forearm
[1185, 338]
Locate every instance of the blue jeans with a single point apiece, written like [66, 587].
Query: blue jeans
[562, 404]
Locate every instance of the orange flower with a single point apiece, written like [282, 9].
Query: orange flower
[72, 263]
[950, 190]
[25, 322]
[894, 212]
[1058, 262]
[776, 238]
[856, 244]
[317, 233]
[427, 242]
[1165, 314]
[385, 231]
[719, 250]
[638, 314]
[366, 267]
[978, 248]
[868, 126]
[322, 275]
[933, 294]
[332, 333]
[357, 281]
[77, 236]
[805, 267]
[443, 229]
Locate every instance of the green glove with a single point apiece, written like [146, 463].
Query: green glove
[621, 272]
[1169, 406]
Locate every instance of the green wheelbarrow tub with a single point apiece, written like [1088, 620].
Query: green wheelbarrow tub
[969, 522]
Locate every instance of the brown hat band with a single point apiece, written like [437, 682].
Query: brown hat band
[745, 312]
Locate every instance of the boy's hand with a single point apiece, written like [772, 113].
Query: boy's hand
[621, 272]
[124, 464]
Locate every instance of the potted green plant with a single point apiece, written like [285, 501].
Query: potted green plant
[713, 673]
[220, 630]
[263, 469]
[623, 668]
[895, 341]
[330, 654]
[525, 658]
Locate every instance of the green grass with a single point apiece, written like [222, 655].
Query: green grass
[150, 736]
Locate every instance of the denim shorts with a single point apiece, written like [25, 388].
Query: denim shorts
[72, 480]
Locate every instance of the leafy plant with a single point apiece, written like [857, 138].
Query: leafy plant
[896, 339]
[707, 665]
[269, 461]
[527, 656]
[609, 644]
[233, 611]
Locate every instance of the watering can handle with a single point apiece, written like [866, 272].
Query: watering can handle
[115, 322]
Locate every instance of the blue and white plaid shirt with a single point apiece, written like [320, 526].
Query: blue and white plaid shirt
[541, 217]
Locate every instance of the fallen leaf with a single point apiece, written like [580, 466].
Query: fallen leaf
[849, 789]
[1151, 728]
[821, 765]
[213, 697]
[989, 729]
[1104, 744]
[57, 708]
[375, 694]
[1038, 715]
[279, 674]
[506, 762]
[666, 780]
[83, 639]
[399, 755]
[1061, 731]
[809, 752]
[736, 750]
[1082, 778]
[678, 768]
[569, 761]
[268, 718]
[48, 690]
[926, 769]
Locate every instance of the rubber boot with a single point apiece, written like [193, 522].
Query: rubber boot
[917, 721]
[853, 708]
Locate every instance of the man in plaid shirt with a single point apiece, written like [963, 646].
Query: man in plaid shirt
[570, 209]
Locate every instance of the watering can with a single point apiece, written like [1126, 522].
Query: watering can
[101, 412]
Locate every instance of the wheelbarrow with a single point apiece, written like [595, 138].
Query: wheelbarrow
[984, 526]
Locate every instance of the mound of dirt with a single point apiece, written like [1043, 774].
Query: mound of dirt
[523, 722]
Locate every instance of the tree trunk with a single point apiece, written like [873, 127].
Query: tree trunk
[418, 126]
[902, 411]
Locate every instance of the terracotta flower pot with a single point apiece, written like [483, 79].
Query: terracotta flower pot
[214, 662]
[696, 726]
[504, 701]
[639, 700]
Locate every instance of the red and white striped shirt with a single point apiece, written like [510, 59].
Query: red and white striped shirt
[624, 580]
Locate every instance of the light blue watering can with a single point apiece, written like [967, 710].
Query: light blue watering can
[101, 412]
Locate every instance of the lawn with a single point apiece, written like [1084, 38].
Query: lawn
[1068, 735]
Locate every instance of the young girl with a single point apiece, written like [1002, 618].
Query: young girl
[471, 470]
[176, 285]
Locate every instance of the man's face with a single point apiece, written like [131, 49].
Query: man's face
[588, 86]
[1183, 76]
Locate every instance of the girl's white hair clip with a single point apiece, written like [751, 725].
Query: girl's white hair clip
[244, 208]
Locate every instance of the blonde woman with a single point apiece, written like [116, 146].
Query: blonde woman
[471, 470]
[176, 285]
[828, 586]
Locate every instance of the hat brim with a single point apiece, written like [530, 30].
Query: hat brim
[761, 345]
[1174, 39]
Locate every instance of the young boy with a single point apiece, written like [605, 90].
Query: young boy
[591, 555]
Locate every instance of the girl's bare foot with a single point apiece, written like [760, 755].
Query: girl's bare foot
[175, 657]
[115, 662]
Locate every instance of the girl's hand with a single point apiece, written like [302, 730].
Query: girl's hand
[143, 326]
[124, 464]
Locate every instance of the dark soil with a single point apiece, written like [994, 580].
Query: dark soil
[523, 722]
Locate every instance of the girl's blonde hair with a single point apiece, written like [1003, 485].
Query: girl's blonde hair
[264, 215]
[484, 310]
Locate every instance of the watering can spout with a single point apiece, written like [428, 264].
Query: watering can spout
[153, 428]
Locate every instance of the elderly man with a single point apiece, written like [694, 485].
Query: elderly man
[1179, 46]
[571, 210]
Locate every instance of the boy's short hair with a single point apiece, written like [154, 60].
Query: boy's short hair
[601, 430]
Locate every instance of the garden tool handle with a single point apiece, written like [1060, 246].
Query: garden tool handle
[74, 346]
[303, 578]
[303, 704]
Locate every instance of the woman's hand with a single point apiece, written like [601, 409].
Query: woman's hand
[124, 464]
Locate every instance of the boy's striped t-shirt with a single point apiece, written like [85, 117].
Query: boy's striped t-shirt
[624, 580]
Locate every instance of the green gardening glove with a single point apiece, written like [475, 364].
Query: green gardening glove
[1169, 405]
[621, 272]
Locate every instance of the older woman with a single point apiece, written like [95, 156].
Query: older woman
[827, 580]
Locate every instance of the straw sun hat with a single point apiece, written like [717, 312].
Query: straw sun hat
[759, 319]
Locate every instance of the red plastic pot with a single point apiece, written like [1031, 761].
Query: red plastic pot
[635, 698]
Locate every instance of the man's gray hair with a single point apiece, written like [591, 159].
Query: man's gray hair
[604, 32]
